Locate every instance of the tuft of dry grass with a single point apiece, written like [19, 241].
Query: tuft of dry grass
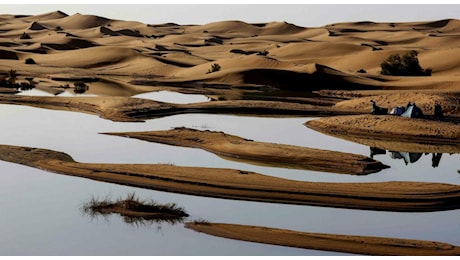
[136, 211]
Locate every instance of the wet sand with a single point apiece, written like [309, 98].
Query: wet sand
[364, 245]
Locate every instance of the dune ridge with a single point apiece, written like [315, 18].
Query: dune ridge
[263, 51]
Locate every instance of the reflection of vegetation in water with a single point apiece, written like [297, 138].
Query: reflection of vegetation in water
[80, 88]
[135, 211]
[9, 81]
[407, 156]
[201, 221]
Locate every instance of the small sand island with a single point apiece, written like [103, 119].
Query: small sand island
[364, 245]
[276, 155]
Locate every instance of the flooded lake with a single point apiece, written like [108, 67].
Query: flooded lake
[42, 211]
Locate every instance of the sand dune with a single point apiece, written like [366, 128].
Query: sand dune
[261, 57]
[44, 17]
[347, 47]
[275, 54]
[79, 21]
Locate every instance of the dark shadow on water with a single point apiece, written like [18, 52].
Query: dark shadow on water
[407, 157]
[134, 211]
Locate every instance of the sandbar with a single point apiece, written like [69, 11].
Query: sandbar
[244, 185]
[365, 245]
[279, 155]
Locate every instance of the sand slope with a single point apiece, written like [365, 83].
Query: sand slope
[265, 53]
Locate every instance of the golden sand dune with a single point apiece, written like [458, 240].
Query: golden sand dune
[364, 245]
[275, 54]
[254, 59]
[77, 21]
[243, 185]
[278, 155]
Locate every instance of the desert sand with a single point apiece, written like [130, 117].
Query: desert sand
[266, 69]
[391, 128]
[254, 58]
[273, 68]
[244, 185]
[364, 245]
[276, 155]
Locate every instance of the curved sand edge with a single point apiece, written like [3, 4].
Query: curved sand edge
[127, 109]
[278, 155]
[242, 185]
[402, 146]
[364, 245]
[388, 127]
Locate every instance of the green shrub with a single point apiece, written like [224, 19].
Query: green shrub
[407, 65]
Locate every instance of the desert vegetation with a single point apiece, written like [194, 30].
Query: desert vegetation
[9, 80]
[405, 65]
[214, 68]
[136, 211]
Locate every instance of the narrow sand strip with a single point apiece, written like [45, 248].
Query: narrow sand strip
[388, 127]
[364, 245]
[127, 109]
[278, 155]
[242, 185]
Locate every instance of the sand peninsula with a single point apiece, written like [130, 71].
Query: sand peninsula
[275, 155]
[244, 185]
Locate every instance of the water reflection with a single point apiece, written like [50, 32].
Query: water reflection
[407, 157]
[173, 97]
[135, 211]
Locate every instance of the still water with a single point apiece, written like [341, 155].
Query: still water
[41, 211]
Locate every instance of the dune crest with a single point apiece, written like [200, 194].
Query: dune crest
[244, 51]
